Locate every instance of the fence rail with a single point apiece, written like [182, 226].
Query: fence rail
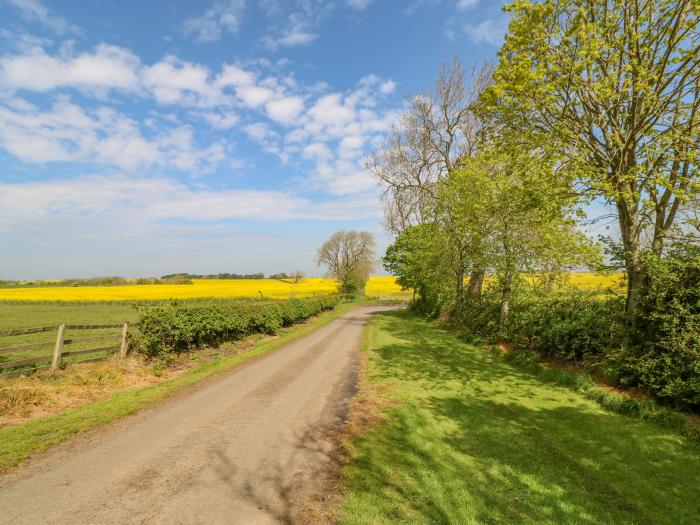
[120, 347]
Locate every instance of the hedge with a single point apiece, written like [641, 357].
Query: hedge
[181, 326]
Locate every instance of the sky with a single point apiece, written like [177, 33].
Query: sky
[147, 138]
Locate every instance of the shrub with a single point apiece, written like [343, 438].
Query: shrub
[578, 326]
[180, 326]
[664, 354]
[661, 356]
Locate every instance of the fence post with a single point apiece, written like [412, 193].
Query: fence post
[58, 349]
[125, 342]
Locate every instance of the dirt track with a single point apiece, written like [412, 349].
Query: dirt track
[243, 449]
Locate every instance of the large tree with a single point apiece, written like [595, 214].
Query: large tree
[616, 84]
[349, 257]
[433, 134]
[507, 212]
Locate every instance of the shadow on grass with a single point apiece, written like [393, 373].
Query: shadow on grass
[479, 441]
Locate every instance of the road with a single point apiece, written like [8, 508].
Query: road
[245, 448]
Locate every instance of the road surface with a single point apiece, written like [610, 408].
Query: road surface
[242, 449]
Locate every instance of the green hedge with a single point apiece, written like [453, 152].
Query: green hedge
[661, 357]
[181, 326]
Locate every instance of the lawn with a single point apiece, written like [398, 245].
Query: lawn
[476, 440]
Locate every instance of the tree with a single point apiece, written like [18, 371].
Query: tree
[418, 259]
[349, 257]
[508, 213]
[432, 136]
[616, 84]
[297, 275]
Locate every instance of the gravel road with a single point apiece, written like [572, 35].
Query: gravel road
[244, 448]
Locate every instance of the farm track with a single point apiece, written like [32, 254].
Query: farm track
[246, 448]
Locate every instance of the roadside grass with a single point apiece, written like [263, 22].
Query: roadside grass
[22, 441]
[474, 439]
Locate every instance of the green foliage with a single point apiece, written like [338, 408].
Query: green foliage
[663, 356]
[181, 326]
[665, 353]
[417, 259]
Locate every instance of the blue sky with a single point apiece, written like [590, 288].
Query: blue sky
[143, 138]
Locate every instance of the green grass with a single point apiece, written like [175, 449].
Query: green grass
[20, 442]
[13, 316]
[477, 440]
[29, 315]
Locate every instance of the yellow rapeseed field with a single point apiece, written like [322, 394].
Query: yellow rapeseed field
[225, 288]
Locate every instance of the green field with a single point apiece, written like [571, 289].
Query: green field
[476, 440]
[15, 316]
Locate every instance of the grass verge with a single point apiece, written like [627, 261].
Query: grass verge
[474, 439]
[614, 401]
[20, 442]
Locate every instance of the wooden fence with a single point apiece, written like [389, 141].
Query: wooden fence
[119, 346]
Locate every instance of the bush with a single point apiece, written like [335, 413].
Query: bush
[661, 356]
[664, 355]
[180, 326]
[576, 326]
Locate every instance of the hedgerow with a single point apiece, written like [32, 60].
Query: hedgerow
[181, 326]
[660, 356]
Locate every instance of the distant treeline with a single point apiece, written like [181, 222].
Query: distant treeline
[214, 276]
[99, 281]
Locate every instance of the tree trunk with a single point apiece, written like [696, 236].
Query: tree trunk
[476, 283]
[505, 297]
[459, 285]
[627, 216]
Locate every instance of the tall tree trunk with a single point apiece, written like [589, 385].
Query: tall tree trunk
[627, 215]
[506, 295]
[476, 283]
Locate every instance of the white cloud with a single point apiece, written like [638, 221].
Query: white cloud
[347, 123]
[466, 4]
[234, 76]
[489, 31]
[225, 120]
[172, 81]
[297, 37]
[66, 132]
[222, 16]
[387, 87]
[106, 67]
[317, 151]
[35, 11]
[358, 4]
[143, 202]
[259, 131]
[254, 96]
[285, 110]
[299, 28]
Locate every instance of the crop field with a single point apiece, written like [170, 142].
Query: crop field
[251, 288]
[200, 289]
